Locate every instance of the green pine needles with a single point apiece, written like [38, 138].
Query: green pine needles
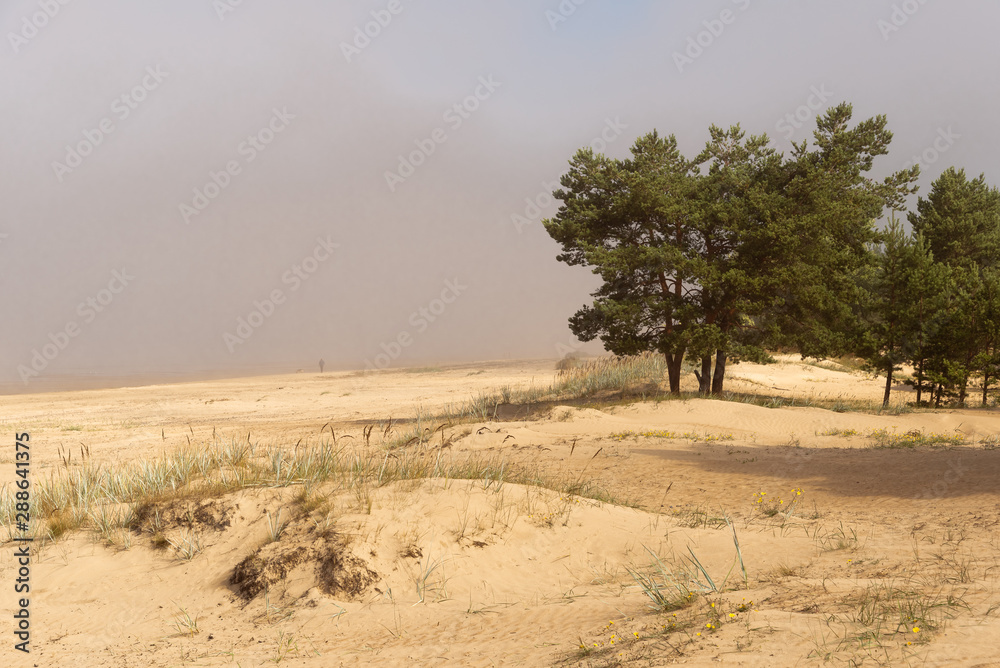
[742, 249]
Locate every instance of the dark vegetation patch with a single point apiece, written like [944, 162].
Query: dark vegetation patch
[191, 514]
[338, 572]
[341, 574]
[258, 573]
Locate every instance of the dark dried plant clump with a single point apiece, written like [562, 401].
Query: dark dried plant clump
[338, 573]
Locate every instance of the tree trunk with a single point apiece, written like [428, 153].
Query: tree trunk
[888, 388]
[720, 372]
[674, 362]
[963, 391]
[920, 380]
[937, 398]
[705, 377]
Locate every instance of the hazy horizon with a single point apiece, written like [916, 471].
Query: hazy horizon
[172, 170]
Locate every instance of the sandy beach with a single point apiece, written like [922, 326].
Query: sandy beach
[846, 552]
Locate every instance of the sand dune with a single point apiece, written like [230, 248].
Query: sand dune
[446, 571]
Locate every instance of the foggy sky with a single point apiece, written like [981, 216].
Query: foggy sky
[199, 78]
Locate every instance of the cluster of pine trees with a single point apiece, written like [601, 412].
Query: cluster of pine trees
[934, 294]
[741, 250]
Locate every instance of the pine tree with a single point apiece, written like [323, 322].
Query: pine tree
[633, 222]
[960, 221]
[827, 232]
[890, 310]
[930, 288]
[757, 251]
[740, 191]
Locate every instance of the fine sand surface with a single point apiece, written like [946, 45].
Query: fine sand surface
[452, 572]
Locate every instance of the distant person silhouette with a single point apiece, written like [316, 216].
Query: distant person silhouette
[321, 365]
